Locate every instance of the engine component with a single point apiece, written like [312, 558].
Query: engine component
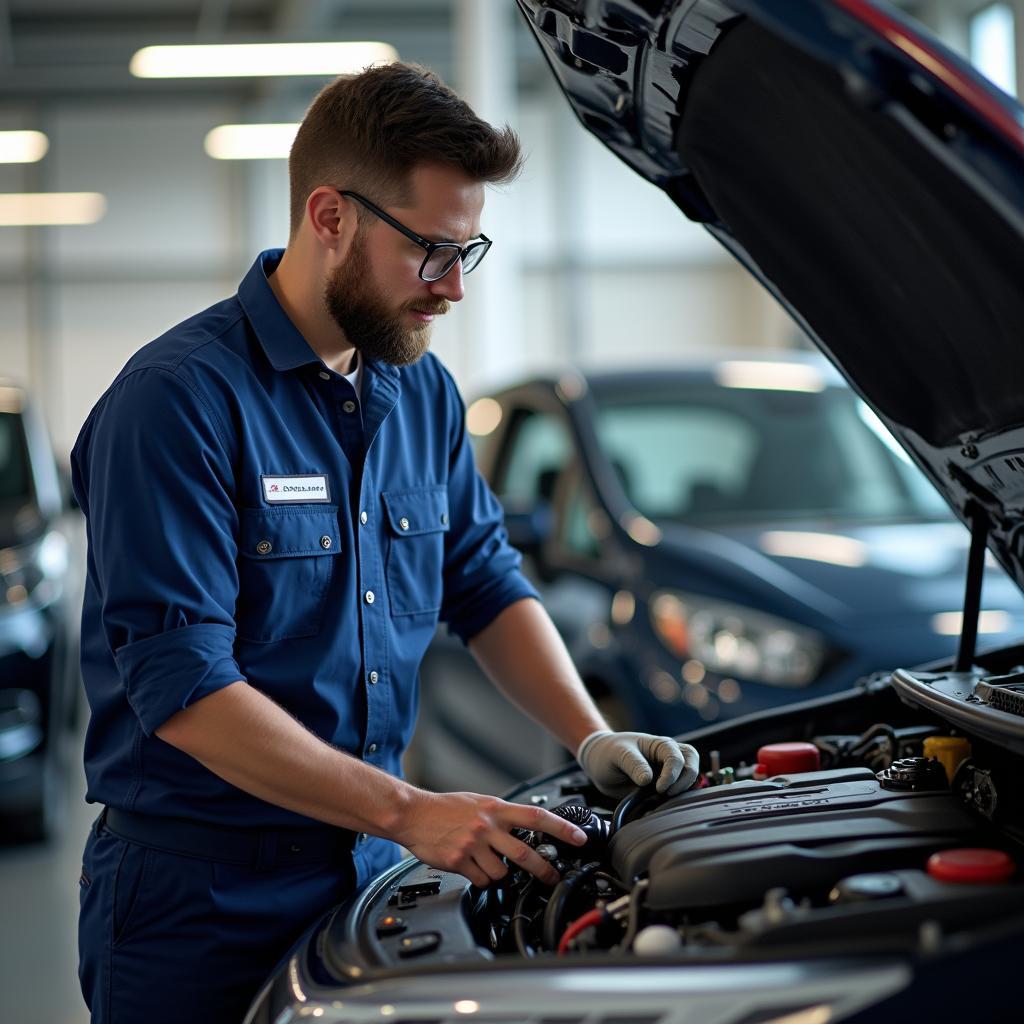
[787, 759]
[1005, 693]
[978, 788]
[949, 751]
[657, 940]
[726, 845]
[584, 818]
[914, 773]
[971, 864]
[859, 888]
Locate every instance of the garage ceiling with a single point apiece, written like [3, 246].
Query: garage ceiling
[79, 49]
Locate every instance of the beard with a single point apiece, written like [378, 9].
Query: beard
[369, 322]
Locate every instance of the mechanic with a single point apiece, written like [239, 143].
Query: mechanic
[281, 503]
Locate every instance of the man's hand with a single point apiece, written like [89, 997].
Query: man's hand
[616, 762]
[468, 834]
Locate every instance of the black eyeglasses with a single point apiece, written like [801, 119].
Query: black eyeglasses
[441, 256]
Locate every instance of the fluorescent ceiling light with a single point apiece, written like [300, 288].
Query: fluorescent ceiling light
[19, 209]
[767, 376]
[258, 60]
[22, 147]
[250, 141]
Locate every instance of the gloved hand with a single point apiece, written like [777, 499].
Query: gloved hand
[616, 762]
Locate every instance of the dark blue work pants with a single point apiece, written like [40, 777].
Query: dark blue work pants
[171, 938]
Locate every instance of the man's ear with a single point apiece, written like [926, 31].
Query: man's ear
[331, 217]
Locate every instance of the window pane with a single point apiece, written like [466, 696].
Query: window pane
[14, 478]
[715, 455]
[540, 450]
[992, 45]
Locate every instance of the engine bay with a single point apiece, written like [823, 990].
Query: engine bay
[903, 835]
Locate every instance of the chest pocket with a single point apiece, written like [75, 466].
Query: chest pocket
[417, 522]
[284, 571]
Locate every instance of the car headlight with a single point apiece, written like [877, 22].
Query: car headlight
[33, 571]
[732, 640]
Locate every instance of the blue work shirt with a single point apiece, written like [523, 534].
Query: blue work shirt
[251, 518]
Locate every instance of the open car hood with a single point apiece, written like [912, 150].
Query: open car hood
[865, 174]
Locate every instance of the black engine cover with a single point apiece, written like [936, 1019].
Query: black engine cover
[728, 844]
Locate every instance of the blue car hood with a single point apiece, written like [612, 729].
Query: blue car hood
[866, 175]
[854, 576]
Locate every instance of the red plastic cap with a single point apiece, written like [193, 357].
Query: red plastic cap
[787, 759]
[971, 864]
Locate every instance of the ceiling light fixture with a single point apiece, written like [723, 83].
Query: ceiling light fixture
[25, 209]
[250, 141]
[258, 60]
[23, 147]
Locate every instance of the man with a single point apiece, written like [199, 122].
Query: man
[278, 515]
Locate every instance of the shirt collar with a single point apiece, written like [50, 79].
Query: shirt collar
[285, 347]
[282, 342]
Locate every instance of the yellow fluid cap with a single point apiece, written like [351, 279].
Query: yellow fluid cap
[949, 751]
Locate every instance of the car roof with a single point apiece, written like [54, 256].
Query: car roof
[771, 367]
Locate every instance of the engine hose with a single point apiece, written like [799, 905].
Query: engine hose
[555, 910]
[633, 921]
[625, 808]
[860, 746]
[520, 920]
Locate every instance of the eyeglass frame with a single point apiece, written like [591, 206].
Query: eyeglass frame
[424, 243]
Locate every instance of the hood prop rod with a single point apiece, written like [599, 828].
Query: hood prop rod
[972, 594]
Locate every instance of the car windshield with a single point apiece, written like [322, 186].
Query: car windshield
[14, 475]
[706, 453]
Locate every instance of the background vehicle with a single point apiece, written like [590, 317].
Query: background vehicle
[40, 605]
[710, 541]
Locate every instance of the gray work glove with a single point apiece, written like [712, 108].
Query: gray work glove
[617, 762]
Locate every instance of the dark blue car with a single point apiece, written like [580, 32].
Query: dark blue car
[40, 606]
[711, 540]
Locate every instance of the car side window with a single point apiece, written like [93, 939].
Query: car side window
[583, 525]
[14, 471]
[538, 450]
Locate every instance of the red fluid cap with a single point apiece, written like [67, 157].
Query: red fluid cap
[971, 864]
[787, 759]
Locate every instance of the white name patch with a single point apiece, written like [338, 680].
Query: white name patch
[295, 488]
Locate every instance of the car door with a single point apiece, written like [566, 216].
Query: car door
[466, 729]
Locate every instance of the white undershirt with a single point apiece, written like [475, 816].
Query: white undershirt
[355, 378]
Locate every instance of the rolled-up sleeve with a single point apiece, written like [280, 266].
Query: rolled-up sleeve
[481, 575]
[153, 474]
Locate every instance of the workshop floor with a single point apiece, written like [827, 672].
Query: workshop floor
[38, 921]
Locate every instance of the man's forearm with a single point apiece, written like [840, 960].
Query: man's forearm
[241, 735]
[524, 656]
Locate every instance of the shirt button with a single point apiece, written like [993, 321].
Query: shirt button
[324, 376]
[372, 748]
[325, 543]
[369, 597]
[373, 677]
[349, 406]
[363, 518]
[403, 523]
[264, 547]
[444, 518]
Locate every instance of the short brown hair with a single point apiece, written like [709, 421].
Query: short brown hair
[367, 132]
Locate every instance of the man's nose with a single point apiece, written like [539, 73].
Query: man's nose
[450, 286]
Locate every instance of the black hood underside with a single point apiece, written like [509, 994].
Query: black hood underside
[911, 279]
